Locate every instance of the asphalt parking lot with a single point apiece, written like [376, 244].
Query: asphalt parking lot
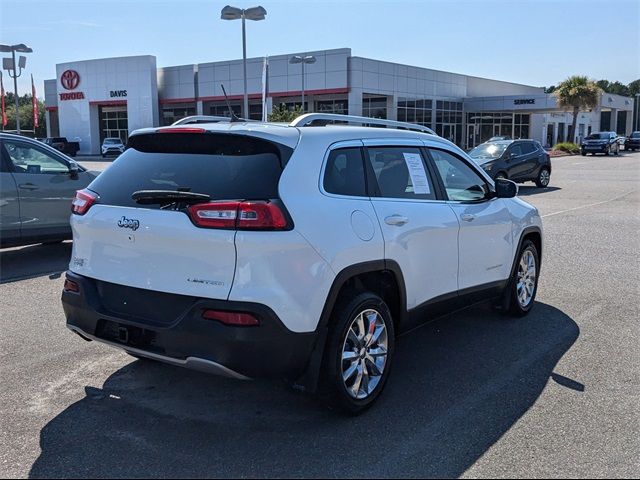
[473, 394]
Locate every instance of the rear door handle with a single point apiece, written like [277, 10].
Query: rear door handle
[397, 220]
[28, 186]
[467, 217]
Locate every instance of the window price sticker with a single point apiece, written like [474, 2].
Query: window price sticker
[417, 172]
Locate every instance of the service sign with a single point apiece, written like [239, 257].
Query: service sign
[524, 101]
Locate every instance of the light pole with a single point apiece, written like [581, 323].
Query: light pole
[9, 64]
[233, 13]
[300, 59]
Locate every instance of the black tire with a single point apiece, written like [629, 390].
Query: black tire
[332, 388]
[583, 153]
[617, 152]
[608, 151]
[511, 304]
[540, 183]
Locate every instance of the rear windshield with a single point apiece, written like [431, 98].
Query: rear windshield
[223, 166]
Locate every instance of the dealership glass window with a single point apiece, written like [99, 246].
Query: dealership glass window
[114, 123]
[173, 113]
[449, 120]
[521, 125]
[220, 109]
[340, 106]
[374, 106]
[415, 111]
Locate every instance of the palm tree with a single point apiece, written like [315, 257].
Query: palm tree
[577, 93]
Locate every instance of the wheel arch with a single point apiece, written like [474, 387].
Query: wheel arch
[383, 277]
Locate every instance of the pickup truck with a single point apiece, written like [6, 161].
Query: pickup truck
[61, 144]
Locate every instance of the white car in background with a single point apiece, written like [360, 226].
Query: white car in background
[112, 146]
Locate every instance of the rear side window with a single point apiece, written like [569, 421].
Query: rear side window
[226, 167]
[400, 173]
[528, 147]
[344, 174]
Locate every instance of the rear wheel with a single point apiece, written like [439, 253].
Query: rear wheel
[543, 178]
[359, 352]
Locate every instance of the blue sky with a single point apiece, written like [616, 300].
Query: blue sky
[533, 42]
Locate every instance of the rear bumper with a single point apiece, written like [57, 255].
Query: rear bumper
[170, 328]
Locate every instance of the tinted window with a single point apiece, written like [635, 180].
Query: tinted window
[527, 147]
[488, 151]
[226, 167]
[460, 181]
[344, 174]
[400, 173]
[27, 159]
[516, 149]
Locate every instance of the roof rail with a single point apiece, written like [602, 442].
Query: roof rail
[309, 118]
[200, 119]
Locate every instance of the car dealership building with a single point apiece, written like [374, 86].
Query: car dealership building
[94, 99]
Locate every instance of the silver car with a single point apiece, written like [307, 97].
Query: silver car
[37, 186]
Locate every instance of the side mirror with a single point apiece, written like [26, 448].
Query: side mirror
[506, 188]
[73, 170]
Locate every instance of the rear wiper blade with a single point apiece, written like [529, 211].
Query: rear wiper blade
[162, 197]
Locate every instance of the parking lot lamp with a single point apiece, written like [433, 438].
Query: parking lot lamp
[300, 59]
[9, 64]
[253, 13]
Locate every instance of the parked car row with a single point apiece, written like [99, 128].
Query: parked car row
[517, 160]
[600, 142]
[37, 185]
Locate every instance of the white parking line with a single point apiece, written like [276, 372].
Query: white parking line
[590, 205]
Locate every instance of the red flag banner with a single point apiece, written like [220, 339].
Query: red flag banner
[34, 104]
[4, 111]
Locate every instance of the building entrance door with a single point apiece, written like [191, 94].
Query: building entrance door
[550, 135]
[114, 123]
[471, 136]
[449, 131]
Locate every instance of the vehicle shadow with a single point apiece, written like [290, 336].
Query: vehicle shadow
[458, 385]
[526, 190]
[34, 261]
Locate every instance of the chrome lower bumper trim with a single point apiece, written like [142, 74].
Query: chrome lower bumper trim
[192, 363]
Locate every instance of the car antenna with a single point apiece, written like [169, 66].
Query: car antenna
[234, 117]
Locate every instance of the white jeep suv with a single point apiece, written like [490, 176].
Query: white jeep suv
[296, 251]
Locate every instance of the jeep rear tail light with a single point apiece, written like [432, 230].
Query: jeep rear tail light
[250, 215]
[235, 319]
[83, 201]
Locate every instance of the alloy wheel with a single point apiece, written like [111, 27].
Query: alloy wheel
[544, 177]
[526, 278]
[364, 353]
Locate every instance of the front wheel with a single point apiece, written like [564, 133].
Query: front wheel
[359, 352]
[543, 178]
[523, 285]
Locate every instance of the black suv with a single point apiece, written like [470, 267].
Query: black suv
[600, 142]
[632, 142]
[517, 160]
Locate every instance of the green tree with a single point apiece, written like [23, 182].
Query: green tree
[283, 114]
[634, 87]
[577, 93]
[26, 114]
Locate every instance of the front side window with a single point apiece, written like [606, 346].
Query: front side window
[460, 181]
[344, 174]
[400, 173]
[27, 159]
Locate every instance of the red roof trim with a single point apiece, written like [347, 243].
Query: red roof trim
[109, 102]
